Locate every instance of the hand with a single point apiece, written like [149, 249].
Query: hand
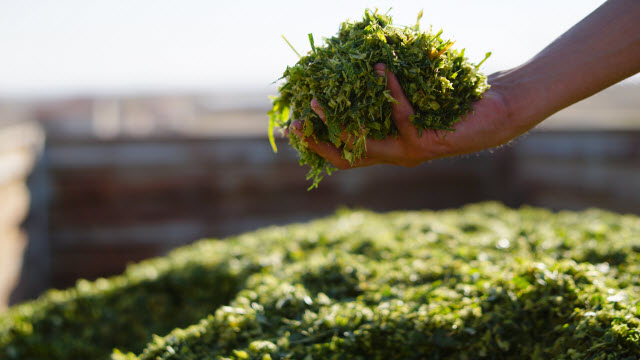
[487, 125]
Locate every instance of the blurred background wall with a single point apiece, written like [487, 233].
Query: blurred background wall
[21, 145]
[125, 178]
[129, 129]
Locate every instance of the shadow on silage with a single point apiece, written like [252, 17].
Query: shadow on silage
[90, 320]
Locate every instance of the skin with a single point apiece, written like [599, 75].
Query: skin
[599, 51]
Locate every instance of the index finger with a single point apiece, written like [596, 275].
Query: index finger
[402, 109]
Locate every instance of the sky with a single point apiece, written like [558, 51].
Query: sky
[80, 47]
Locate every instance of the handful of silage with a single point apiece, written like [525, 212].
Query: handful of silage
[438, 81]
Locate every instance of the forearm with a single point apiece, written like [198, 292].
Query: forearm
[599, 51]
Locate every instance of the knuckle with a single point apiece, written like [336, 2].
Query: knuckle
[439, 145]
[430, 145]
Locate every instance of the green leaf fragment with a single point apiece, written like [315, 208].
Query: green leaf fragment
[417, 26]
[486, 56]
[272, 140]
[291, 46]
[313, 46]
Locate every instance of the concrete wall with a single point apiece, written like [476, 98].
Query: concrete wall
[20, 147]
[116, 201]
[125, 178]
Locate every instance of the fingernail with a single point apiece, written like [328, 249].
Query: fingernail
[380, 69]
[296, 127]
[314, 103]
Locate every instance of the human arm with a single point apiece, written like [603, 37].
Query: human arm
[602, 49]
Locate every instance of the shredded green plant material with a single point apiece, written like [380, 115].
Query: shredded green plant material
[437, 79]
[481, 282]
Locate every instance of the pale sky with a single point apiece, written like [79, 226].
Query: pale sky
[73, 47]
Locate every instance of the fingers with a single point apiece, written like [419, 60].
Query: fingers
[344, 137]
[391, 150]
[315, 105]
[402, 110]
[328, 151]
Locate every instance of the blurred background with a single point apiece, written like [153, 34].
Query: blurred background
[128, 128]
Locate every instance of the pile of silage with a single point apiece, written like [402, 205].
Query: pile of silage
[480, 282]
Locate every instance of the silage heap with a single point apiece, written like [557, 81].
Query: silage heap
[481, 282]
[438, 80]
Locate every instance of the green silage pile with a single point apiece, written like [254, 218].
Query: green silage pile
[438, 80]
[481, 282]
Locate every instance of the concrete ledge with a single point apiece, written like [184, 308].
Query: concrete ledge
[20, 145]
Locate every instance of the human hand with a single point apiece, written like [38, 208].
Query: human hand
[518, 99]
[487, 125]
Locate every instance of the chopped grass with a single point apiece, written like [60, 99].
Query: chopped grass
[481, 282]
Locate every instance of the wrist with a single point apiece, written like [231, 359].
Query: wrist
[524, 97]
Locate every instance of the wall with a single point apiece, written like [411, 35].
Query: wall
[125, 178]
[20, 146]
[116, 201]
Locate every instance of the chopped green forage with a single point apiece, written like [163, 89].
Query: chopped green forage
[291, 46]
[272, 140]
[340, 76]
[417, 26]
[313, 46]
[481, 282]
[486, 56]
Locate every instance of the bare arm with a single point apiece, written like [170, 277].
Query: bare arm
[599, 51]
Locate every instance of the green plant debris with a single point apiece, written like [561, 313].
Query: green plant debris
[481, 282]
[438, 80]
[153, 297]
